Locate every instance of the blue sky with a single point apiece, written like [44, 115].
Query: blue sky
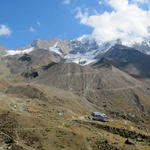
[32, 19]
[22, 21]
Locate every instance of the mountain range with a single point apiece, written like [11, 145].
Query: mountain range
[83, 50]
[49, 88]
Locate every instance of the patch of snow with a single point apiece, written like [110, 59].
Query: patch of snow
[16, 52]
[148, 53]
[56, 49]
[82, 59]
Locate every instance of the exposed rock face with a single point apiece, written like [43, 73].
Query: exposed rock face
[25, 57]
[3, 50]
[129, 141]
[143, 46]
[30, 75]
[129, 60]
[79, 47]
[46, 44]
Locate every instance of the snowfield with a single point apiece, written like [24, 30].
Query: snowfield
[16, 52]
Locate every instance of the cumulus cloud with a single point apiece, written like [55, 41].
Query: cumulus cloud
[31, 29]
[126, 20]
[66, 2]
[4, 30]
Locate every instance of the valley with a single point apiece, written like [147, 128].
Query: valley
[46, 100]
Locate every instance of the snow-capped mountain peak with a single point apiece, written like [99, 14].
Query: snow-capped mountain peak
[83, 50]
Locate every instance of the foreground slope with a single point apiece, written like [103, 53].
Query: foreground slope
[36, 117]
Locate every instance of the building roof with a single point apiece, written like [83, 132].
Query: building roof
[99, 114]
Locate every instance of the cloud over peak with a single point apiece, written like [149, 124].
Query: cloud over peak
[126, 20]
[4, 30]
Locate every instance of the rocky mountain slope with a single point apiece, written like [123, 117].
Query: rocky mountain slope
[2, 50]
[49, 88]
[129, 60]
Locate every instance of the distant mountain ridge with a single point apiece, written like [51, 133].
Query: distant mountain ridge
[129, 60]
[84, 50]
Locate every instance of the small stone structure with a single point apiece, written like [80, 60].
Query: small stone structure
[98, 116]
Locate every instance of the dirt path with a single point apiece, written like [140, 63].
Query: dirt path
[116, 89]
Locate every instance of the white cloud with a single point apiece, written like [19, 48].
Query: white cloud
[31, 29]
[100, 2]
[141, 1]
[38, 23]
[4, 30]
[127, 20]
[66, 2]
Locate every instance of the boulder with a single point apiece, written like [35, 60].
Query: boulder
[129, 141]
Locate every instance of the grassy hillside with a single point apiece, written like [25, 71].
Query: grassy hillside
[36, 117]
